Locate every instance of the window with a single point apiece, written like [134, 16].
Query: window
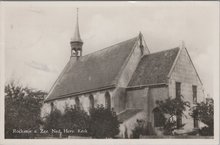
[178, 114]
[77, 102]
[159, 119]
[195, 119]
[178, 89]
[52, 106]
[107, 100]
[194, 89]
[91, 99]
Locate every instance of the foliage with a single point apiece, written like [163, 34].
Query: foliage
[103, 123]
[142, 128]
[205, 113]
[206, 131]
[139, 129]
[53, 120]
[22, 109]
[75, 119]
[173, 108]
[169, 127]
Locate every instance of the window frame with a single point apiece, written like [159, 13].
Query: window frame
[107, 100]
[194, 92]
[77, 102]
[92, 101]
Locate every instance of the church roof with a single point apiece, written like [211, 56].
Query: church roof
[154, 68]
[92, 72]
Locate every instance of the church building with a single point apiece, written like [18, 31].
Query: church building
[127, 78]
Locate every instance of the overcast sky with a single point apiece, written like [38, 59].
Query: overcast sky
[37, 34]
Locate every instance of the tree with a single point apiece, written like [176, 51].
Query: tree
[205, 113]
[104, 122]
[173, 108]
[22, 109]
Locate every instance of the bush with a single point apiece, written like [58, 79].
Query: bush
[103, 123]
[138, 130]
[73, 119]
[205, 113]
[206, 131]
[53, 121]
[169, 127]
[77, 120]
[142, 128]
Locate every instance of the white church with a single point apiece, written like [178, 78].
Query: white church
[127, 77]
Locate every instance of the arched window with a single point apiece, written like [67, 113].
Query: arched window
[91, 99]
[107, 100]
[159, 119]
[77, 102]
[52, 106]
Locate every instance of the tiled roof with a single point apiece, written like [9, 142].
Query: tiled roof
[154, 68]
[128, 113]
[93, 71]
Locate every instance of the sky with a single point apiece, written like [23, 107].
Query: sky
[37, 34]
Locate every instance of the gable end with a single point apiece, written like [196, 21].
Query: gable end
[180, 54]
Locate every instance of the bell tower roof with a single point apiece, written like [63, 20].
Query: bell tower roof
[76, 42]
[76, 37]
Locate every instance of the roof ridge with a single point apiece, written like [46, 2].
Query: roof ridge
[109, 46]
[162, 51]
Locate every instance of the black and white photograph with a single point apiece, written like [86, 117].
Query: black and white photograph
[87, 71]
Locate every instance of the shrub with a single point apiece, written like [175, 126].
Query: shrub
[53, 121]
[206, 131]
[138, 130]
[142, 128]
[73, 119]
[77, 120]
[205, 113]
[103, 123]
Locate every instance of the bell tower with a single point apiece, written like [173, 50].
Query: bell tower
[76, 42]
